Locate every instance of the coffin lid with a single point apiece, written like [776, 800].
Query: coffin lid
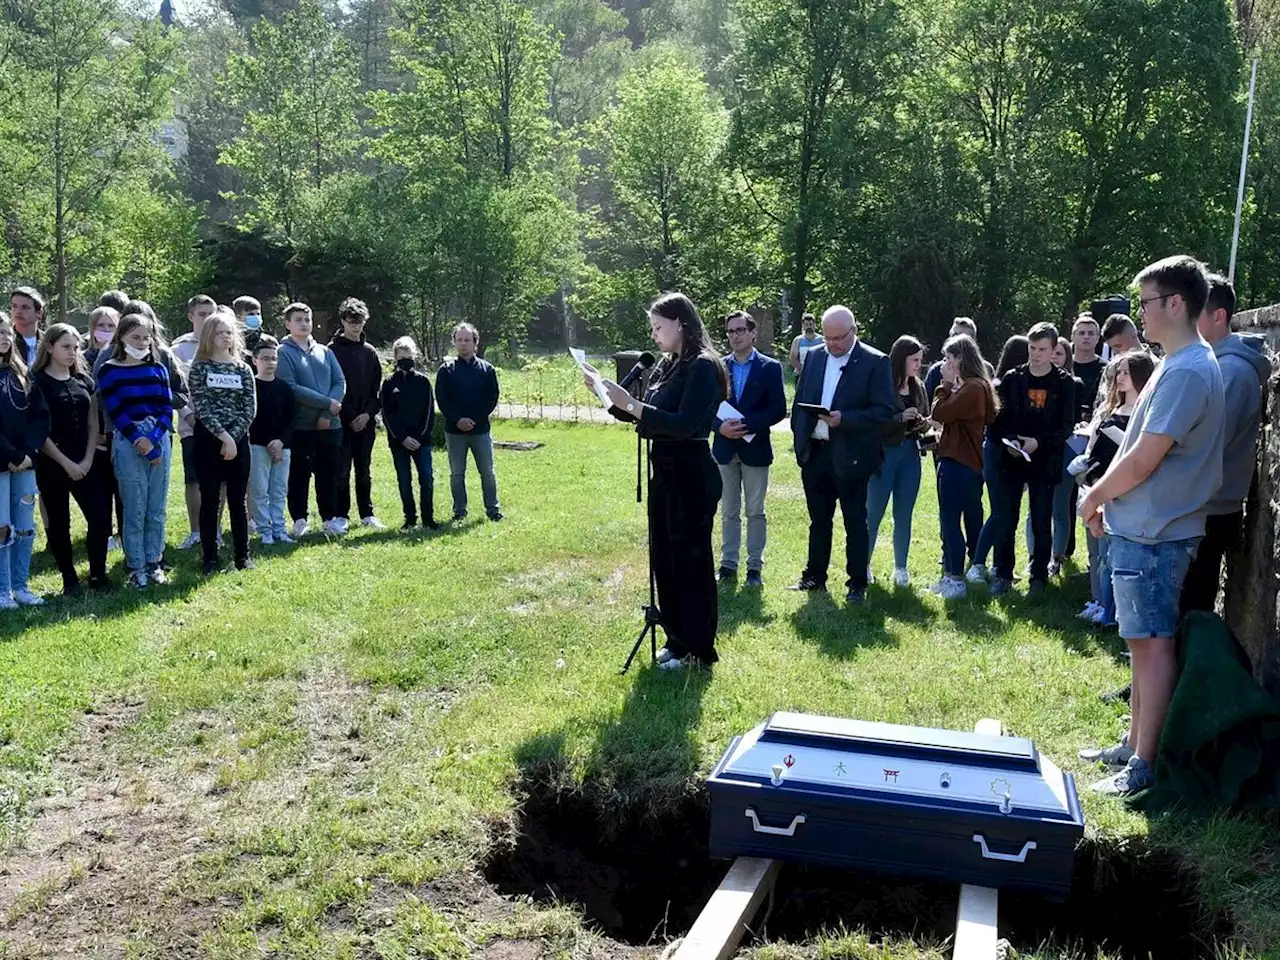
[796, 754]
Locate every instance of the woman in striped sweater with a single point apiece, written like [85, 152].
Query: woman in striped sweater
[134, 389]
[225, 399]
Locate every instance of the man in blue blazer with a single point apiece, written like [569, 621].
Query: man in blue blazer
[838, 450]
[756, 392]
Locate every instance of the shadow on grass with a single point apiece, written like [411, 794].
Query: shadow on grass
[741, 606]
[840, 629]
[184, 578]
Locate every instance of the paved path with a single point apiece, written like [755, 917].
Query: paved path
[575, 414]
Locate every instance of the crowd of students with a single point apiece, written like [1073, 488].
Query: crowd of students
[1155, 454]
[257, 419]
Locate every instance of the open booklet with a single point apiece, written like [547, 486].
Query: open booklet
[727, 411]
[597, 383]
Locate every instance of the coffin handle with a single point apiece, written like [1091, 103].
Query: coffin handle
[988, 854]
[779, 831]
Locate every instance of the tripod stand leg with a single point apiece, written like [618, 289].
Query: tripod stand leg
[652, 630]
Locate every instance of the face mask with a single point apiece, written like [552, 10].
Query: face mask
[253, 321]
[405, 363]
[137, 352]
[103, 336]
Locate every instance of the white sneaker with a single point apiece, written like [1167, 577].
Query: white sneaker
[953, 588]
[267, 540]
[333, 527]
[939, 586]
[138, 579]
[284, 538]
[1090, 609]
[871, 577]
[28, 599]
[300, 528]
[7, 602]
[341, 525]
[675, 663]
[1100, 617]
[253, 527]
[901, 578]
[373, 523]
[192, 540]
[113, 544]
[663, 655]
[977, 573]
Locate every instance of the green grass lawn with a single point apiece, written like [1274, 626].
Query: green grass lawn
[317, 758]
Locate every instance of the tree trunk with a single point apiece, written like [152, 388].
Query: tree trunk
[59, 197]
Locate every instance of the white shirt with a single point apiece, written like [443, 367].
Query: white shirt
[830, 380]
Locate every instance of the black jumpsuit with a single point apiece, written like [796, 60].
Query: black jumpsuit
[684, 495]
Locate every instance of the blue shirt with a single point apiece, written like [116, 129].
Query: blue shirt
[738, 372]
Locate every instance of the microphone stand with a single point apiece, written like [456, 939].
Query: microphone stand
[652, 615]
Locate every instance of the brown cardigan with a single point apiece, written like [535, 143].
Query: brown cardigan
[963, 413]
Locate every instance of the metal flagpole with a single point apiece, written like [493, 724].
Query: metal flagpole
[1244, 163]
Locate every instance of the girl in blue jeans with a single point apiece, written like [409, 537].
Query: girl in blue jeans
[965, 404]
[134, 389]
[899, 475]
[24, 427]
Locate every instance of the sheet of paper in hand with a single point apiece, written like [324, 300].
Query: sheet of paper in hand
[597, 384]
[727, 411]
[1015, 445]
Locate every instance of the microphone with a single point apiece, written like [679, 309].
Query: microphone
[646, 361]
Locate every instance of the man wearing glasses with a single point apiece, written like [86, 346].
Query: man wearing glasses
[844, 398]
[757, 394]
[363, 370]
[1153, 500]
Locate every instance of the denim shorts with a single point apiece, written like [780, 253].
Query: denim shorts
[1147, 579]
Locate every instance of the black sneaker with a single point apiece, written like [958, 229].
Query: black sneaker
[100, 584]
[1000, 586]
[726, 573]
[856, 597]
[1035, 590]
[495, 517]
[459, 517]
[246, 564]
[430, 525]
[72, 589]
[754, 579]
[808, 583]
[408, 524]
[209, 567]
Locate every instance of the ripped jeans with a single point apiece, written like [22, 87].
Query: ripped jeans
[17, 517]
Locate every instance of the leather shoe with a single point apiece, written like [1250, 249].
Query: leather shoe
[754, 579]
[856, 597]
[726, 573]
[808, 583]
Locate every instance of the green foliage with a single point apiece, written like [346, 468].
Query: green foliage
[84, 88]
[485, 184]
[817, 85]
[298, 89]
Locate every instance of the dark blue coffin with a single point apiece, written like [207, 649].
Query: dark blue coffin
[974, 809]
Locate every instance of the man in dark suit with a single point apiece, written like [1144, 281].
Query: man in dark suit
[838, 451]
[755, 392]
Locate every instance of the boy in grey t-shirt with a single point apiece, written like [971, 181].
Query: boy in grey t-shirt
[1153, 500]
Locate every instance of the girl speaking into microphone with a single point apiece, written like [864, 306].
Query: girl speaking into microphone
[685, 391]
